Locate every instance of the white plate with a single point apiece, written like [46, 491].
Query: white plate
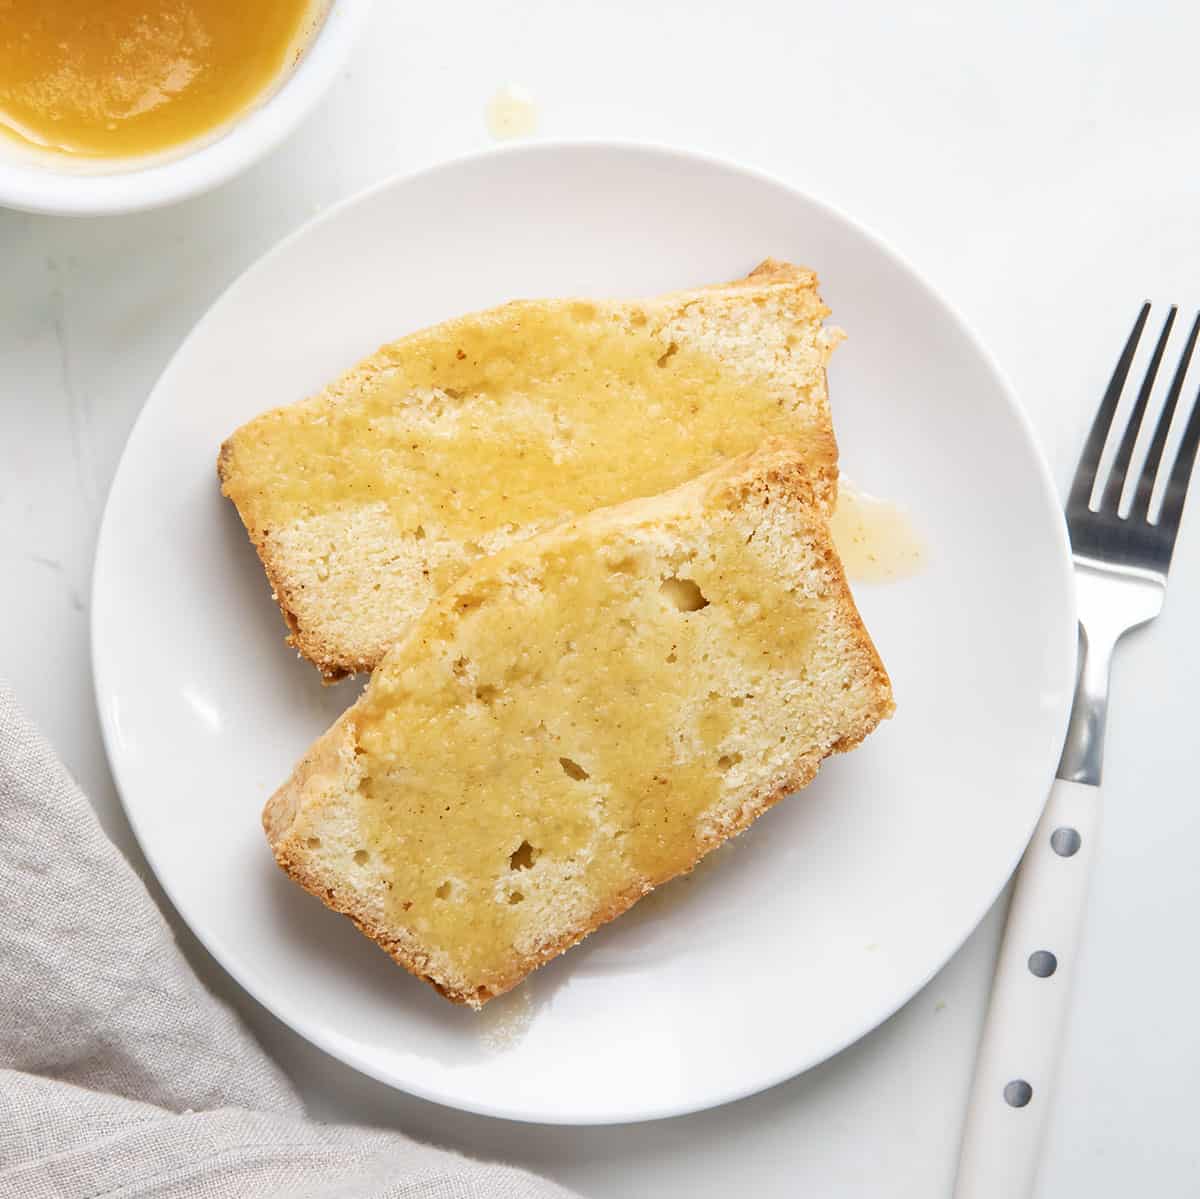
[815, 925]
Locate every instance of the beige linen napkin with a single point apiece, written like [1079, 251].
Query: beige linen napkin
[120, 1075]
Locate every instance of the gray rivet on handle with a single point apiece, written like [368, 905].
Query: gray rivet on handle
[1065, 842]
[1042, 963]
[1018, 1093]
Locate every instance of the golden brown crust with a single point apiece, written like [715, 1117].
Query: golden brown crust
[789, 473]
[773, 270]
[332, 662]
[773, 473]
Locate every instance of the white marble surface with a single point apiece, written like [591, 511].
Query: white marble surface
[1038, 163]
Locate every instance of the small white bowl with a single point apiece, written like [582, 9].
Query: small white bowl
[41, 184]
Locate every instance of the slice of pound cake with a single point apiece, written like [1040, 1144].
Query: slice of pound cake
[367, 501]
[580, 718]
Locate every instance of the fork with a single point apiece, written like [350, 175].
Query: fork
[1122, 552]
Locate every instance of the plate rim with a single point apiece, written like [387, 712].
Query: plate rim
[214, 946]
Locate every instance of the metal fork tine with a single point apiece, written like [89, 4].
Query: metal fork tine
[1111, 497]
[1172, 509]
[1093, 449]
[1140, 509]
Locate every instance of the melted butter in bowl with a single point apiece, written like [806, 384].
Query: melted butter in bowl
[875, 538]
[128, 79]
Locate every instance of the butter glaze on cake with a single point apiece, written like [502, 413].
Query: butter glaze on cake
[368, 500]
[579, 719]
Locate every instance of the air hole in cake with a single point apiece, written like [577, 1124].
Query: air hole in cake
[515, 896]
[573, 770]
[523, 856]
[672, 656]
[671, 351]
[486, 693]
[443, 892]
[313, 843]
[360, 857]
[685, 594]
[419, 533]
[725, 761]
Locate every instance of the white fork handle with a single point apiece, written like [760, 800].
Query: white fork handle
[1023, 1034]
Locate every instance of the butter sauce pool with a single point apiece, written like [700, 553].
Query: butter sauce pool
[111, 79]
